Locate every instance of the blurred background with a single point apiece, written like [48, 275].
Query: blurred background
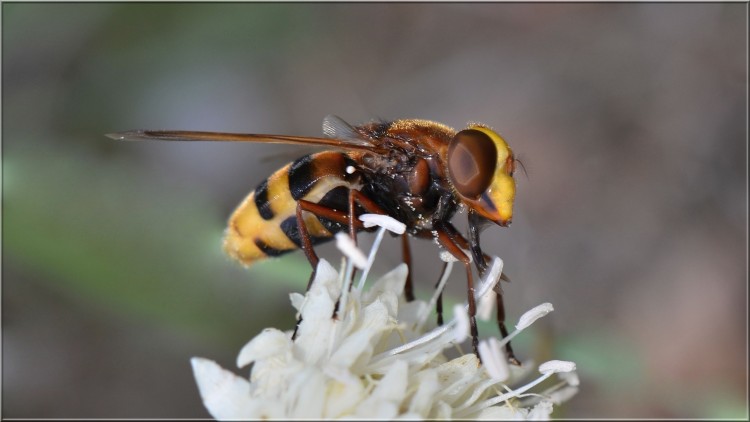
[630, 120]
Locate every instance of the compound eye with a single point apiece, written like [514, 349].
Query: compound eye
[472, 157]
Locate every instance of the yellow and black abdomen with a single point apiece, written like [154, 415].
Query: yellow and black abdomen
[265, 223]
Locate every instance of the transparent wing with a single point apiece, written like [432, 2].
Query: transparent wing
[336, 127]
[348, 142]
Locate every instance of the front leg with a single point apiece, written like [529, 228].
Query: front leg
[446, 240]
[475, 226]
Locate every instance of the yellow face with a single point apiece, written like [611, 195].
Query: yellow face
[481, 166]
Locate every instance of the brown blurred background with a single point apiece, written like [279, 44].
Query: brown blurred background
[629, 118]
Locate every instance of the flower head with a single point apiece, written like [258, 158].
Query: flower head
[375, 359]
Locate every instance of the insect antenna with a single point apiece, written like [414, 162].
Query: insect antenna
[523, 167]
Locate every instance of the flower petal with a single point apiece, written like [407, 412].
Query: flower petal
[456, 377]
[423, 399]
[461, 330]
[225, 395]
[297, 300]
[541, 412]
[392, 386]
[376, 409]
[306, 394]
[269, 342]
[374, 360]
[498, 413]
[352, 348]
[327, 276]
[393, 282]
[317, 326]
[340, 396]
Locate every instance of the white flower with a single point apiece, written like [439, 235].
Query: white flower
[375, 360]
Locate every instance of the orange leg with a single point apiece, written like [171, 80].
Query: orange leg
[312, 257]
[318, 210]
[406, 253]
[368, 204]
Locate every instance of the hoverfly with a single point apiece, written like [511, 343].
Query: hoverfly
[417, 171]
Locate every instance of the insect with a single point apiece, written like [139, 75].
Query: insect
[417, 171]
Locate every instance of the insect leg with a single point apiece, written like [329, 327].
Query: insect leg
[309, 253]
[465, 245]
[355, 195]
[406, 253]
[427, 234]
[450, 244]
[368, 204]
[320, 211]
[439, 303]
[476, 251]
[503, 330]
[306, 244]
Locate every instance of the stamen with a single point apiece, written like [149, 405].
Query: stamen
[446, 256]
[463, 325]
[491, 279]
[478, 391]
[433, 300]
[534, 314]
[546, 369]
[333, 341]
[485, 306]
[347, 247]
[385, 221]
[426, 338]
[555, 366]
[501, 398]
[528, 318]
[345, 289]
[371, 258]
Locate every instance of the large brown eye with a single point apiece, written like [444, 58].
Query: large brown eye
[472, 158]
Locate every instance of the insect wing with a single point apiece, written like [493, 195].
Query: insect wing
[336, 128]
[352, 143]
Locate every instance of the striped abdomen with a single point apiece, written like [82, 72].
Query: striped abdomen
[265, 223]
